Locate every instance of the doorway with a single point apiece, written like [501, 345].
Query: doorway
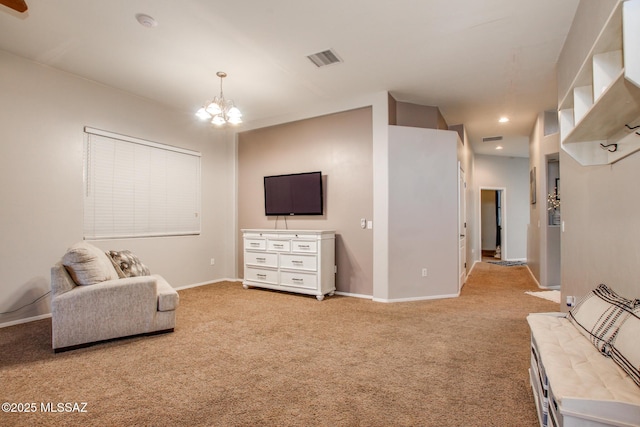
[492, 224]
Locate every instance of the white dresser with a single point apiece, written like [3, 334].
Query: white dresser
[301, 261]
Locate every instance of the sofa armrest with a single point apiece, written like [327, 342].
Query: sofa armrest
[61, 281]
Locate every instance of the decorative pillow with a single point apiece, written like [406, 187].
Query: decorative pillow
[599, 314]
[128, 264]
[88, 265]
[624, 347]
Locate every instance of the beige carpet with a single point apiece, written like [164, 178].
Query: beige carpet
[255, 357]
[553, 296]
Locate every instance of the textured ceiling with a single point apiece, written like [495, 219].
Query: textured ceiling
[475, 59]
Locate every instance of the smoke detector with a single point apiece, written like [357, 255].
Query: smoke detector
[146, 20]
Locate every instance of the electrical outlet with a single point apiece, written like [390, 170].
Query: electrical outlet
[363, 223]
[424, 272]
[213, 261]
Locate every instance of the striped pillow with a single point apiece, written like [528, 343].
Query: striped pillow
[599, 315]
[624, 347]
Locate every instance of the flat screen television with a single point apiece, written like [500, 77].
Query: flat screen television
[293, 194]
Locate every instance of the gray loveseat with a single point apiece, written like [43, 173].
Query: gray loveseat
[95, 299]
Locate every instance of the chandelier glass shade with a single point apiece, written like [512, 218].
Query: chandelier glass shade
[220, 111]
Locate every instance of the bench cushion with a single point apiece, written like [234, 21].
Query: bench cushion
[575, 368]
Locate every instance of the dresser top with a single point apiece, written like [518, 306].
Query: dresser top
[287, 232]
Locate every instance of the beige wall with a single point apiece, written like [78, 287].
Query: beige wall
[339, 145]
[423, 213]
[512, 174]
[601, 238]
[600, 204]
[415, 115]
[543, 242]
[43, 115]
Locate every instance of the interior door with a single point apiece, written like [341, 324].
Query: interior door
[462, 227]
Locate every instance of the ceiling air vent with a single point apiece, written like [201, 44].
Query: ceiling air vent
[328, 57]
[491, 138]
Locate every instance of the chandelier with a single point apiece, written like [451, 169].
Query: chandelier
[220, 110]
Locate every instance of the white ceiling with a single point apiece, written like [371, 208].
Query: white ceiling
[475, 59]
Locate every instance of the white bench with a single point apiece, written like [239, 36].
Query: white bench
[573, 383]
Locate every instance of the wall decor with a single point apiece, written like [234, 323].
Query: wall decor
[532, 185]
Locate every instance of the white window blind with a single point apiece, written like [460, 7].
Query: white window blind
[138, 188]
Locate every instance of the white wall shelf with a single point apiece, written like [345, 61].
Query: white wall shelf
[604, 96]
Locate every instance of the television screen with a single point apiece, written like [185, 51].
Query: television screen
[293, 194]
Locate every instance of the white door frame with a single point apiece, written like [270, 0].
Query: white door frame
[463, 240]
[503, 206]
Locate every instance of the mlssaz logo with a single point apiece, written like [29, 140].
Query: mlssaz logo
[63, 407]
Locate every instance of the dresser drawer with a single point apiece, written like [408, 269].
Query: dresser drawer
[299, 279]
[304, 246]
[261, 259]
[299, 262]
[261, 275]
[279, 245]
[255, 244]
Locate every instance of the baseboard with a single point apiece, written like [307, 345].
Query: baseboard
[210, 282]
[195, 285]
[431, 297]
[348, 294]
[27, 320]
[472, 267]
[534, 278]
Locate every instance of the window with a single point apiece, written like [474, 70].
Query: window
[138, 188]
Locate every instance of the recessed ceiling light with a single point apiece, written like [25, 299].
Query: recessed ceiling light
[146, 20]
[499, 147]
[503, 119]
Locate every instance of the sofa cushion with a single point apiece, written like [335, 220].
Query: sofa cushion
[88, 265]
[127, 264]
[624, 347]
[599, 314]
